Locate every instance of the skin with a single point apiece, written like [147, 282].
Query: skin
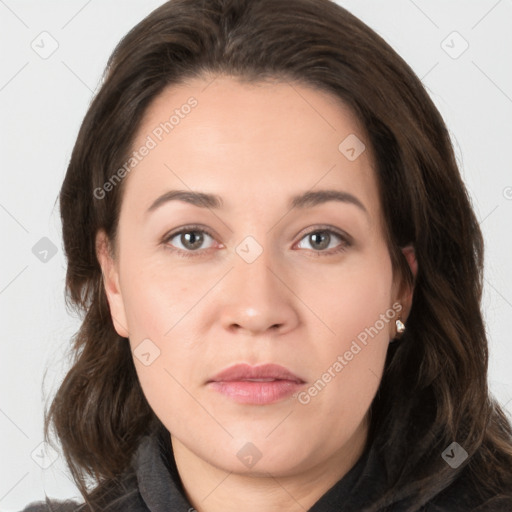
[255, 145]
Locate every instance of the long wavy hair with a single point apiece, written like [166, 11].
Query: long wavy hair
[434, 388]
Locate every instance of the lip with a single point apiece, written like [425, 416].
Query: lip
[256, 385]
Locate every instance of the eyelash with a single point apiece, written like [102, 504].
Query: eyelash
[345, 239]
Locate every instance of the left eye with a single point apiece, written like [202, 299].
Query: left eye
[321, 240]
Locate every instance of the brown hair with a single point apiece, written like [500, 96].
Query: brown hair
[434, 389]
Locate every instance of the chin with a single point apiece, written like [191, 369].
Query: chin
[259, 457]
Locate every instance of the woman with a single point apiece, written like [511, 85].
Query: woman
[281, 276]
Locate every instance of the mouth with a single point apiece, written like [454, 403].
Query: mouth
[256, 385]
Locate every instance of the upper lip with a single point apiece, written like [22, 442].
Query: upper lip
[244, 372]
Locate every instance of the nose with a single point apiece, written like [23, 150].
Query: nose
[258, 297]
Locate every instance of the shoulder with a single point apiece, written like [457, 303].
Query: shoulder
[122, 494]
[464, 495]
[130, 502]
[116, 496]
[54, 506]
[497, 504]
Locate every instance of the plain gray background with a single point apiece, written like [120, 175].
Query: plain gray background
[460, 49]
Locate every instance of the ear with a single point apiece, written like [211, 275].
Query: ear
[111, 283]
[410, 255]
[407, 290]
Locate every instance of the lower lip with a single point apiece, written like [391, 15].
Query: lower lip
[256, 393]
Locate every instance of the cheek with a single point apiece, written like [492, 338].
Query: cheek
[162, 306]
[157, 297]
[174, 399]
[353, 297]
[357, 328]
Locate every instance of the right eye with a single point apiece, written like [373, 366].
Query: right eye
[191, 239]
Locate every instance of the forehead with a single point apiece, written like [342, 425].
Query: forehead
[243, 141]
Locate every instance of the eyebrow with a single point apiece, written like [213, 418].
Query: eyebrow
[213, 201]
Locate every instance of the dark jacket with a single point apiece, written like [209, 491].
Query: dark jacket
[153, 485]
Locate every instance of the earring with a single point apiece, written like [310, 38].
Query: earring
[400, 328]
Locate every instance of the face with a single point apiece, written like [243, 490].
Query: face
[299, 297]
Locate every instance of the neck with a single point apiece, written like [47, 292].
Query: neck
[212, 489]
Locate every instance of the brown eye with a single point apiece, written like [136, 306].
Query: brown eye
[188, 240]
[192, 240]
[319, 239]
[322, 239]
